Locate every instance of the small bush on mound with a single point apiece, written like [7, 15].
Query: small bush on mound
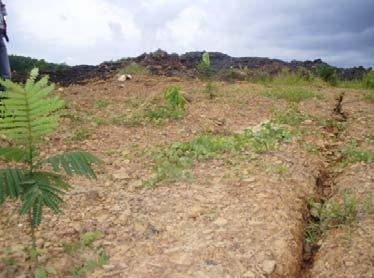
[327, 74]
[204, 68]
[369, 80]
[175, 106]
[259, 76]
[234, 74]
[29, 115]
[290, 94]
[135, 68]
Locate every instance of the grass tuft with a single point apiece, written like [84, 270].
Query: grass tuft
[290, 94]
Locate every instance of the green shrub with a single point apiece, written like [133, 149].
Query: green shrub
[174, 98]
[29, 115]
[369, 80]
[209, 89]
[175, 106]
[327, 74]
[204, 68]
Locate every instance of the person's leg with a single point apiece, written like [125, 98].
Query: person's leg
[4, 60]
[4, 68]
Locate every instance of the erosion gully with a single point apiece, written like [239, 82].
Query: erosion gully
[326, 179]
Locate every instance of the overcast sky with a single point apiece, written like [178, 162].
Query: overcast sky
[340, 32]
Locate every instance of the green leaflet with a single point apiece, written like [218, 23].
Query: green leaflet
[78, 163]
[10, 183]
[14, 154]
[28, 110]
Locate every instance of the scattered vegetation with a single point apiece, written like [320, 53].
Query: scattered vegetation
[29, 115]
[96, 257]
[290, 94]
[172, 163]
[301, 76]
[369, 96]
[80, 135]
[289, 116]
[353, 154]
[325, 216]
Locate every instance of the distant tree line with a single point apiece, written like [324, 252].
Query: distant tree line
[26, 64]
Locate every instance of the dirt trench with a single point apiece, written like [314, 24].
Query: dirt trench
[345, 250]
[325, 181]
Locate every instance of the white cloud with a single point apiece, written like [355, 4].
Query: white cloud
[91, 31]
[73, 23]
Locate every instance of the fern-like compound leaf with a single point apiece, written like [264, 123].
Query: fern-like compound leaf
[13, 154]
[42, 189]
[10, 183]
[78, 163]
[28, 110]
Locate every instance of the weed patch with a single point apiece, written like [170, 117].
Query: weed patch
[290, 94]
[80, 135]
[369, 97]
[173, 162]
[94, 256]
[353, 154]
[329, 216]
[289, 116]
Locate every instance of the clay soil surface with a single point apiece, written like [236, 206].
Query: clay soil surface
[236, 214]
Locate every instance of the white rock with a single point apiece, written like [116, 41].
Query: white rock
[121, 174]
[249, 274]
[268, 266]
[124, 77]
[220, 222]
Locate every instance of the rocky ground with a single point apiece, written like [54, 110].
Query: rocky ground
[165, 64]
[236, 214]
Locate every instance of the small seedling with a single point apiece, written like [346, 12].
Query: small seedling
[175, 106]
[29, 115]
